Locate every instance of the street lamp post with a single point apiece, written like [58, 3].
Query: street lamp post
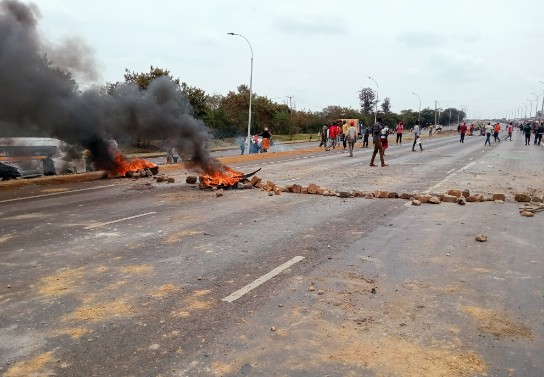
[377, 99]
[536, 104]
[419, 111]
[531, 102]
[250, 92]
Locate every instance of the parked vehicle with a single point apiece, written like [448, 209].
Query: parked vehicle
[28, 155]
[8, 172]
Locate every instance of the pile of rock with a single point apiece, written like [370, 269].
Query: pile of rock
[164, 178]
[533, 204]
[458, 196]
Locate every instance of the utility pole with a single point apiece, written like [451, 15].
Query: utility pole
[435, 107]
[449, 126]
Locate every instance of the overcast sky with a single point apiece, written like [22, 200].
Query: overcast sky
[482, 54]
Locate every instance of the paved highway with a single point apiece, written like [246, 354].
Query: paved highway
[132, 277]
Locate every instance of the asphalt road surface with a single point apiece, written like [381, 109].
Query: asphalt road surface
[123, 277]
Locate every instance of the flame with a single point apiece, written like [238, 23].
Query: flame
[225, 177]
[124, 165]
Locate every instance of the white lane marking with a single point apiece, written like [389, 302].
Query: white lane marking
[449, 171]
[254, 284]
[118, 220]
[54, 193]
[448, 177]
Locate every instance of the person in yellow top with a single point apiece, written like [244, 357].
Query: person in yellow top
[345, 127]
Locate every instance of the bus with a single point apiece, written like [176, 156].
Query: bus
[27, 155]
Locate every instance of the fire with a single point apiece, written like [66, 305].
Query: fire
[123, 165]
[226, 177]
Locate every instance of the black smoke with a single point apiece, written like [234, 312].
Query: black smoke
[39, 97]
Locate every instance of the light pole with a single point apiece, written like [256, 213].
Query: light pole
[377, 98]
[250, 92]
[531, 103]
[419, 111]
[536, 105]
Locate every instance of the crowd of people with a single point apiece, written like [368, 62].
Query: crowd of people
[345, 134]
[528, 129]
[256, 146]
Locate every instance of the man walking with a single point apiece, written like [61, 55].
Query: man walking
[527, 130]
[417, 139]
[488, 130]
[496, 133]
[376, 134]
[463, 130]
[323, 136]
[365, 137]
[539, 133]
[351, 137]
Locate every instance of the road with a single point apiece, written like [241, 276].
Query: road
[126, 277]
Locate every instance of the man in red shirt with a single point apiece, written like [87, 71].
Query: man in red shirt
[463, 130]
[332, 135]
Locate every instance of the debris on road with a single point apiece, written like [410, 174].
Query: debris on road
[481, 237]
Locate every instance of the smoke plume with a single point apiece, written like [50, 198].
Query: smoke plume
[38, 97]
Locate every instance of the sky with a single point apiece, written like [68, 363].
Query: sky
[486, 56]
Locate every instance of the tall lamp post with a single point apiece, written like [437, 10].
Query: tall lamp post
[377, 99]
[250, 92]
[536, 104]
[530, 102]
[419, 111]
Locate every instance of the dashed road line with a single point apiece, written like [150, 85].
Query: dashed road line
[263, 279]
[449, 176]
[54, 193]
[119, 220]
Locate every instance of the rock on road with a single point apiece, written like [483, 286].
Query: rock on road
[129, 277]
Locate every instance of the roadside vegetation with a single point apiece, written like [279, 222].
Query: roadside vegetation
[227, 115]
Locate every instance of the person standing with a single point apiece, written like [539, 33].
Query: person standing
[400, 128]
[384, 134]
[332, 135]
[488, 131]
[509, 129]
[417, 137]
[267, 136]
[49, 166]
[376, 135]
[539, 133]
[324, 131]
[496, 133]
[345, 127]
[242, 146]
[351, 136]
[366, 133]
[527, 130]
[463, 131]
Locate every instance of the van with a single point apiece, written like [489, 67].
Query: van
[27, 155]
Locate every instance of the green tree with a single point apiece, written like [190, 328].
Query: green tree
[386, 105]
[143, 79]
[198, 99]
[367, 100]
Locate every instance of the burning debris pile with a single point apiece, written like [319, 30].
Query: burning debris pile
[225, 178]
[40, 97]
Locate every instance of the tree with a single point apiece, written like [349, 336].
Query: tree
[386, 105]
[367, 100]
[142, 80]
[197, 98]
